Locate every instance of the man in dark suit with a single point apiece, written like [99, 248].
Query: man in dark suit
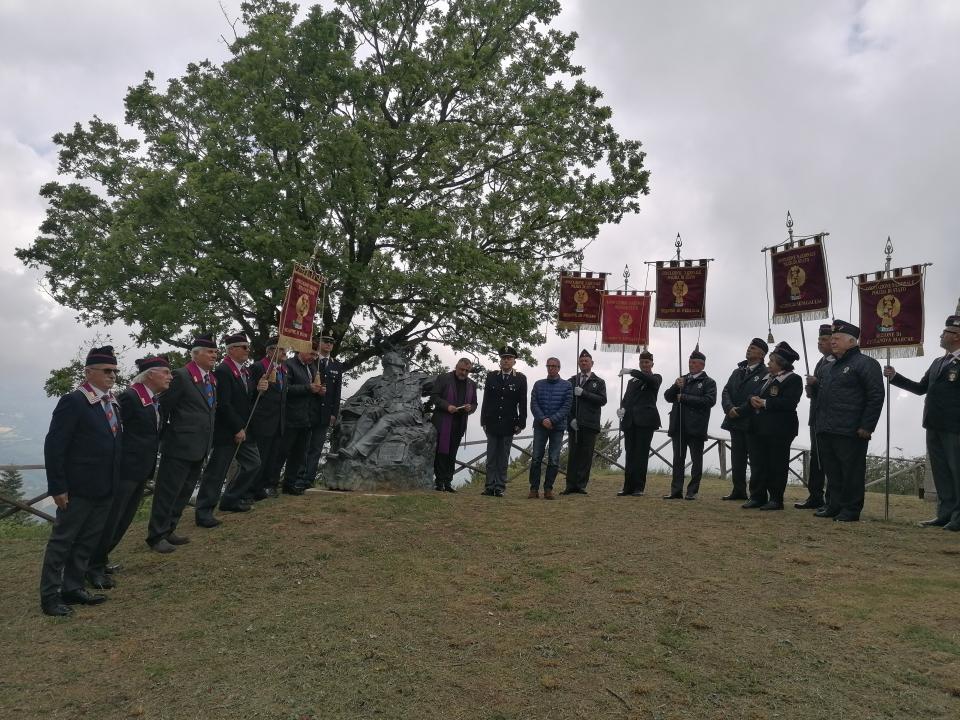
[302, 386]
[140, 410]
[454, 399]
[231, 439]
[324, 406]
[503, 413]
[639, 419]
[941, 418]
[589, 396]
[693, 395]
[743, 382]
[82, 458]
[187, 411]
[267, 418]
[816, 483]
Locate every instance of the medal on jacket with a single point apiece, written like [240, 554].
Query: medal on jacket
[775, 390]
[952, 375]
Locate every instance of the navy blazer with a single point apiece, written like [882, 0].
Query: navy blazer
[639, 402]
[188, 419]
[234, 400]
[941, 385]
[323, 407]
[779, 417]
[81, 453]
[141, 438]
[269, 411]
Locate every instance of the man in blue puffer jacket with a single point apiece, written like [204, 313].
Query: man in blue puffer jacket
[848, 408]
[550, 403]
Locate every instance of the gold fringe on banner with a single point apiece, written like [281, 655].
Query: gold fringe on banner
[785, 318]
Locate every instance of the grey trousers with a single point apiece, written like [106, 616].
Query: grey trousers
[218, 465]
[75, 535]
[176, 480]
[944, 451]
[498, 459]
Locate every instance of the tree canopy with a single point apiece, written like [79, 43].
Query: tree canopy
[439, 161]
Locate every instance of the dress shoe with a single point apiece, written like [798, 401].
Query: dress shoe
[55, 608]
[826, 512]
[751, 504]
[498, 493]
[113, 569]
[239, 507]
[690, 497]
[488, 493]
[935, 522]
[809, 504]
[952, 526]
[533, 495]
[567, 491]
[733, 496]
[101, 581]
[637, 493]
[772, 505]
[438, 488]
[292, 490]
[623, 493]
[578, 491]
[673, 496]
[175, 539]
[82, 597]
[448, 488]
[548, 494]
[847, 517]
[271, 492]
[163, 546]
[260, 494]
[208, 521]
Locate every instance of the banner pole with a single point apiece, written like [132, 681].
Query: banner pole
[678, 243]
[803, 341]
[888, 251]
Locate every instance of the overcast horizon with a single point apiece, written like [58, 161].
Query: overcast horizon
[843, 113]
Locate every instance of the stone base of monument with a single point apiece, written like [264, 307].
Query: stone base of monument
[404, 461]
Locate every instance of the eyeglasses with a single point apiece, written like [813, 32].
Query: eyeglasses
[549, 365]
[108, 371]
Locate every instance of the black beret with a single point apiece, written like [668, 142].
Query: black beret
[204, 341]
[786, 352]
[826, 329]
[152, 361]
[585, 353]
[953, 321]
[841, 326]
[236, 339]
[697, 355]
[760, 343]
[101, 356]
[646, 355]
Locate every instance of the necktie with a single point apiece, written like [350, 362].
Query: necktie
[108, 411]
[244, 374]
[156, 408]
[208, 389]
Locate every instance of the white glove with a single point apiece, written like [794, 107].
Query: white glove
[624, 371]
[578, 391]
[621, 412]
[573, 425]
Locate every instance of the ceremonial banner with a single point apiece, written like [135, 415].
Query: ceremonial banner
[626, 320]
[891, 313]
[299, 309]
[580, 300]
[800, 287]
[681, 293]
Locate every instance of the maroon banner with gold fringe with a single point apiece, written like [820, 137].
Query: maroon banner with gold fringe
[626, 320]
[801, 290]
[299, 309]
[681, 293]
[580, 300]
[891, 313]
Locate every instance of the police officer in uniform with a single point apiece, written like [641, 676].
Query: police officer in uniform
[301, 387]
[692, 395]
[639, 419]
[743, 383]
[503, 414]
[816, 483]
[325, 406]
[589, 395]
[941, 418]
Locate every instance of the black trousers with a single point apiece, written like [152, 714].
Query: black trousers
[176, 481]
[218, 465]
[740, 451]
[293, 449]
[769, 465]
[124, 507]
[271, 462]
[76, 532]
[844, 461]
[943, 449]
[681, 444]
[817, 481]
[318, 437]
[636, 443]
[445, 464]
[580, 458]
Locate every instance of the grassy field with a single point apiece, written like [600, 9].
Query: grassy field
[462, 606]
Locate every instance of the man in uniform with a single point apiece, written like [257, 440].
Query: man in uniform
[693, 395]
[140, 410]
[589, 395]
[941, 418]
[324, 407]
[503, 414]
[231, 440]
[848, 408]
[82, 457]
[266, 419]
[301, 388]
[639, 419]
[816, 483]
[550, 403]
[454, 399]
[187, 411]
[743, 382]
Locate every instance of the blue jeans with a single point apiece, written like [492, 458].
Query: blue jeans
[541, 436]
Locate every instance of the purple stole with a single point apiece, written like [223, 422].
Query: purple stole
[446, 420]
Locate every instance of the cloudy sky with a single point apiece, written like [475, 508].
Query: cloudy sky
[844, 113]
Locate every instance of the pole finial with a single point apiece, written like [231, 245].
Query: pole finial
[888, 248]
[790, 225]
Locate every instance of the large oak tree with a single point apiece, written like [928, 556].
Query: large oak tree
[438, 161]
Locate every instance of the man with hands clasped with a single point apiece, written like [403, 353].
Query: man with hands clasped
[693, 395]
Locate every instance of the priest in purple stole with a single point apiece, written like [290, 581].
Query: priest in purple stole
[454, 397]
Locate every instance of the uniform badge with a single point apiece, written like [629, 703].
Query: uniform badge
[952, 376]
[700, 384]
[756, 378]
[774, 391]
[846, 370]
